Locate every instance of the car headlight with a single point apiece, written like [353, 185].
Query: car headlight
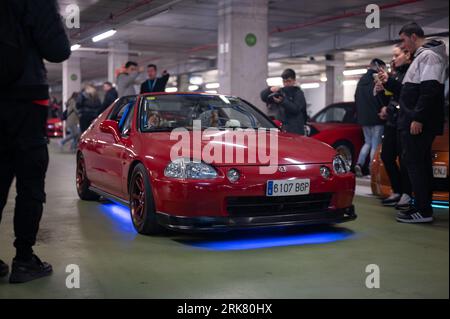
[340, 165]
[186, 169]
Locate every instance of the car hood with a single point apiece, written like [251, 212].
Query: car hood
[292, 149]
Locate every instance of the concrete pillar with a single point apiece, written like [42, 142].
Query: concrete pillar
[334, 91]
[116, 58]
[71, 78]
[183, 82]
[243, 48]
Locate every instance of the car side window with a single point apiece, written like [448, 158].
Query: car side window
[120, 108]
[126, 119]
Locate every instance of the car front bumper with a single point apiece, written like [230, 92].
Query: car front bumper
[211, 224]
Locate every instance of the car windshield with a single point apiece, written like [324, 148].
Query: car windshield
[166, 112]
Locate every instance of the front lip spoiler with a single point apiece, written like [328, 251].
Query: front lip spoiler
[223, 224]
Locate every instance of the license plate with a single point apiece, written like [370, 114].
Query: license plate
[440, 171]
[288, 187]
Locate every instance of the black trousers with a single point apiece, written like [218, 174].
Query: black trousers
[23, 155]
[418, 160]
[391, 151]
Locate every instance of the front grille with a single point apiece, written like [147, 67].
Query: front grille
[440, 184]
[280, 205]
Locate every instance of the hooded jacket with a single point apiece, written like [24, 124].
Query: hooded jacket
[422, 94]
[45, 39]
[367, 105]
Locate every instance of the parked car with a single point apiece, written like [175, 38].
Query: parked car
[336, 125]
[126, 155]
[381, 185]
[54, 127]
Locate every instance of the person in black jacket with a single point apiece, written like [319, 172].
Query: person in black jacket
[88, 106]
[421, 117]
[368, 105]
[153, 83]
[110, 96]
[288, 103]
[23, 117]
[391, 146]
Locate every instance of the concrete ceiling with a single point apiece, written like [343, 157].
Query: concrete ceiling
[178, 35]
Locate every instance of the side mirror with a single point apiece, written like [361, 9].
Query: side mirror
[110, 127]
[278, 123]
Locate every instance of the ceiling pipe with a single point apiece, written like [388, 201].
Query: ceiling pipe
[355, 13]
[112, 17]
[321, 20]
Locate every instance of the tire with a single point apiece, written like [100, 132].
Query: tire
[142, 204]
[346, 150]
[82, 182]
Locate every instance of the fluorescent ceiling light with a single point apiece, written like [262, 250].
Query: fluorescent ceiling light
[211, 92]
[212, 85]
[104, 35]
[193, 87]
[171, 90]
[355, 72]
[75, 47]
[310, 85]
[196, 80]
[277, 81]
[273, 64]
[350, 82]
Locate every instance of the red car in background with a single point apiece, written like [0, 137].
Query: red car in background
[336, 125]
[54, 127]
[125, 155]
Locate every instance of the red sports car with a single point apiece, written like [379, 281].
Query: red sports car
[189, 162]
[336, 125]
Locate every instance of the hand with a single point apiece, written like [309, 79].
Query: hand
[383, 76]
[416, 128]
[383, 113]
[278, 100]
[379, 87]
[274, 89]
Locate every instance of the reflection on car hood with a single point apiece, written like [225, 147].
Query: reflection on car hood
[292, 149]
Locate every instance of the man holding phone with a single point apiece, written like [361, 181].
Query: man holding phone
[368, 106]
[421, 115]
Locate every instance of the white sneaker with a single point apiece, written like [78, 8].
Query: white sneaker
[404, 202]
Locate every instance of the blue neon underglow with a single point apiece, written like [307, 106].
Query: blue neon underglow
[270, 241]
[120, 215]
[440, 204]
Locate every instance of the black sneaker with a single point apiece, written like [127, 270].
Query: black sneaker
[413, 216]
[391, 200]
[24, 271]
[4, 269]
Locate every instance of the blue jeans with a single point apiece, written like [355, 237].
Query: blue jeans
[74, 133]
[372, 138]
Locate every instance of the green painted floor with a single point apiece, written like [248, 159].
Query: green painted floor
[323, 262]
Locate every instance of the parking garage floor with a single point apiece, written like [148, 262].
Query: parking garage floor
[313, 262]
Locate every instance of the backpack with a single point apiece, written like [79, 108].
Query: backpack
[12, 46]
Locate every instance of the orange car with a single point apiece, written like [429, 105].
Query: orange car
[380, 182]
